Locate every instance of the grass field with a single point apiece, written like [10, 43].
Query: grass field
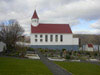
[13, 66]
[77, 68]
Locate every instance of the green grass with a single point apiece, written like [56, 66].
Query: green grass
[77, 68]
[13, 66]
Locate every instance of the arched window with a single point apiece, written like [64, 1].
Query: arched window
[56, 38]
[46, 38]
[41, 36]
[36, 36]
[51, 38]
[41, 40]
[36, 40]
[61, 38]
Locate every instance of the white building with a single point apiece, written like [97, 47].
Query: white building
[52, 36]
[91, 47]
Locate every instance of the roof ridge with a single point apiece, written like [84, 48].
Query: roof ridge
[54, 23]
[51, 28]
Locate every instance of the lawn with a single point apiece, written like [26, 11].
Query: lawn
[13, 66]
[77, 68]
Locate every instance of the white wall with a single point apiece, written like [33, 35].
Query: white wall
[90, 49]
[67, 40]
[86, 48]
[75, 41]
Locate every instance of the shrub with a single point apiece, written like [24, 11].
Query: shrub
[87, 53]
[63, 49]
[30, 49]
[21, 50]
[46, 50]
[61, 54]
[68, 56]
[95, 54]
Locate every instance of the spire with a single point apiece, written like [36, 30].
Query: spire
[35, 15]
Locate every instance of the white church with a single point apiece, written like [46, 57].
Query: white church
[52, 36]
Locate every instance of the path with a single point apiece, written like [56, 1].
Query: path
[55, 69]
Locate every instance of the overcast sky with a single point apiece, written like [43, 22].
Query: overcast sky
[82, 15]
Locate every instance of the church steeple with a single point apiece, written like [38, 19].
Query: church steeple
[35, 15]
[35, 19]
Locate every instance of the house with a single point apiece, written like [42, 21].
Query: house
[88, 47]
[91, 47]
[52, 36]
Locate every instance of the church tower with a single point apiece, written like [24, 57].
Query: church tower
[35, 19]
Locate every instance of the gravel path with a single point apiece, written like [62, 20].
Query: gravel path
[55, 69]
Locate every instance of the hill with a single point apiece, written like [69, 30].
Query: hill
[88, 38]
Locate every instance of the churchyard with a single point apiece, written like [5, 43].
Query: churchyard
[20, 65]
[71, 55]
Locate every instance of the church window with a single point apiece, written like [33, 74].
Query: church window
[36, 40]
[34, 20]
[41, 40]
[56, 38]
[36, 36]
[46, 38]
[61, 38]
[37, 20]
[41, 36]
[51, 38]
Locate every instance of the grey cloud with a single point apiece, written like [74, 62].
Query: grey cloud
[83, 9]
[54, 11]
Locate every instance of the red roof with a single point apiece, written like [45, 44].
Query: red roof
[90, 45]
[35, 15]
[51, 28]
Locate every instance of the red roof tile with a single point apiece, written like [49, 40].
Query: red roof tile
[51, 28]
[90, 45]
[35, 15]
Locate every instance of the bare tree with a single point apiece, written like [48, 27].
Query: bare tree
[10, 34]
